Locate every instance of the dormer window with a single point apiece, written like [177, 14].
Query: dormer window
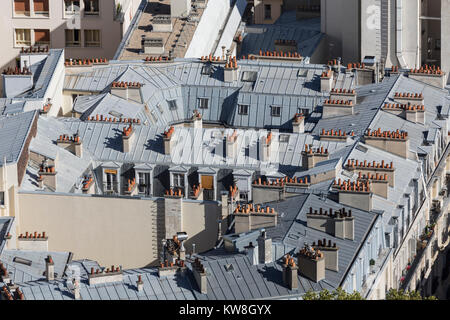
[110, 184]
[275, 111]
[172, 104]
[249, 76]
[203, 103]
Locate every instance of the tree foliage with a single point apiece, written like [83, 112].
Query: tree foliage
[338, 294]
[394, 294]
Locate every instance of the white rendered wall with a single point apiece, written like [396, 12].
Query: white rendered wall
[208, 28]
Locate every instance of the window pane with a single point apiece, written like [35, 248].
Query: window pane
[42, 36]
[40, 6]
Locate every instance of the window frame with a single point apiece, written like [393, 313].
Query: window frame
[240, 111]
[172, 104]
[73, 43]
[22, 13]
[178, 180]
[201, 103]
[274, 114]
[267, 6]
[42, 43]
[91, 13]
[24, 43]
[89, 33]
[72, 12]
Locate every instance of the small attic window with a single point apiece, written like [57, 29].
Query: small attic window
[302, 73]
[22, 261]
[172, 104]
[284, 138]
[229, 267]
[249, 76]
[207, 69]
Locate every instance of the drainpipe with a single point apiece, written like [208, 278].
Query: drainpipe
[399, 29]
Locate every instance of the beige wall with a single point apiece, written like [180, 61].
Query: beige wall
[111, 31]
[117, 231]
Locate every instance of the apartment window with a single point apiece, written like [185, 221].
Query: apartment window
[92, 38]
[41, 37]
[71, 7]
[111, 181]
[304, 111]
[178, 180]
[275, 111]
[203, 103]
[22, 7]
[91, 7]
[41, 7]
[73, 38]
[243, 109]
[144, 183]
[23, 37]
[249, 76]
[2, 198]
[172, 104]
[267, 11]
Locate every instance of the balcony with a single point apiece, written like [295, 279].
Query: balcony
[423, 244]
[208, 194]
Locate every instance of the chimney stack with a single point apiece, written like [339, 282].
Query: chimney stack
[71, 143]
[330, 252]
[264, 248]
[200, 275]
[310, 156]
[396, 142]
[326, 81]
[231, 143]
[298, 123]
[167, 138]
[231, 70]
[140, 284]
[49, 269]
[311, 263]
[290, 273]
[265, 149]
[252, 253]
[127, 138]
[76, 290]
[197, 121]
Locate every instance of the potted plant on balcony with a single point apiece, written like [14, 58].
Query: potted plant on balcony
[372, 265]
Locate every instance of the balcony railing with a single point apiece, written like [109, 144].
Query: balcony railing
[208, 194]
[411, 269]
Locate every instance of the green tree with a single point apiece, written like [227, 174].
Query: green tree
[338, 294]
[394, 294]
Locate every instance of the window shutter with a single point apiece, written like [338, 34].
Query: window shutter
[21, 5]
[41, 5]
[207, 182]
[41, 35]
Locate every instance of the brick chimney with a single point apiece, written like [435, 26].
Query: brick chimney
[411, 112]
[409, 98]
[106, 275]
[335, 135]
[330, 252]
[4, 274]
[267, 191]
[33, 241]
[49, 269]
[264, 248]
[88, 185]
[338, 223]
[290, 273]
[311, 263]
[337, 108]
[396, 142]
[231, 143]
[76, 290]
[265, 143]
[355, 194]
[343, 94]
[252, 217]
[326, 81]
[231, 70]
[379, 183]
[127, 138]
[252, 253]
[197, 121]
[310, 156]
[72, 144]
[140, 284]
[298, 123]
[170, 267]
[127, 90]
[369, 168]
[199, 272]
[167, 138]
[431, 75]
[47, 176]
[285, 45]
[173, 209]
